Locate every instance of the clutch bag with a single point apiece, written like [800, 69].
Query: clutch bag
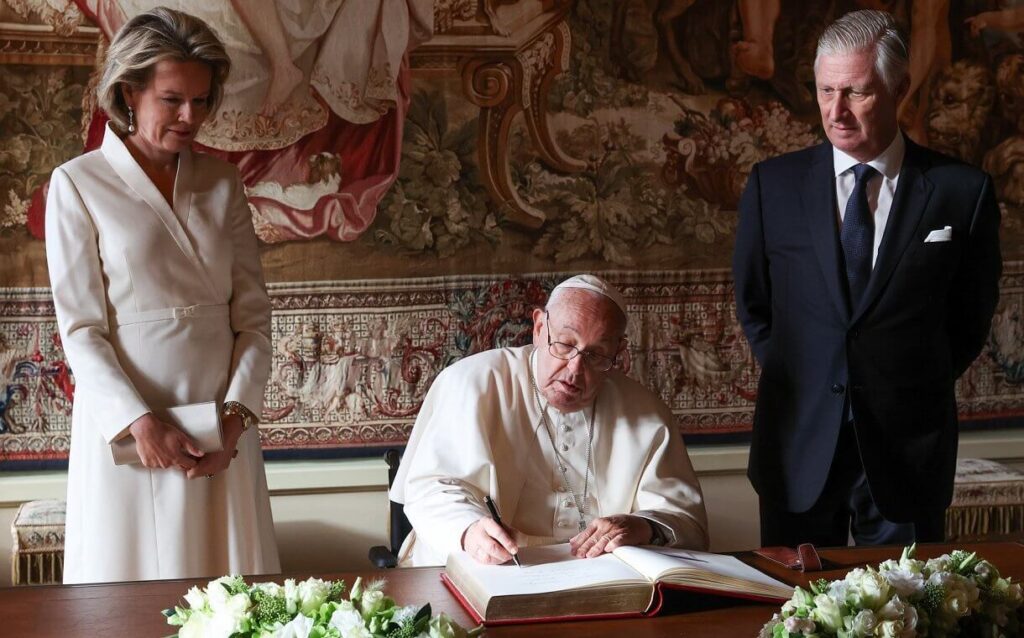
[200, 421]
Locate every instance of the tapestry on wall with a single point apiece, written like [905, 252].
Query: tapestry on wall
[540, 139]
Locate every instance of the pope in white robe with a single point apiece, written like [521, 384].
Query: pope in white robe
[503, 423]
[158, 307]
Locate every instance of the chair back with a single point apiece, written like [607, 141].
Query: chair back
[398, 525]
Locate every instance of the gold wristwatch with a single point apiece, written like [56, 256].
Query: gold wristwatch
[234, 408]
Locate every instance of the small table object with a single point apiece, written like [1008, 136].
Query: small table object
[37, 556]
[988, 503]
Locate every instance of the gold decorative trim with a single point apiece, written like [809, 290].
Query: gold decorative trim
[42, 45]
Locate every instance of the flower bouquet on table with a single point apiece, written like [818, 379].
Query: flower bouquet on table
[313, 608]
[957, 594]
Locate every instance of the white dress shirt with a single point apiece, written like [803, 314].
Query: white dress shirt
[881, 188]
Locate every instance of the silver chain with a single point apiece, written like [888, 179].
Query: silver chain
[581, 506]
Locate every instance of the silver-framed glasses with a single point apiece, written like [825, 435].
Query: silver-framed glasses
[566, 352]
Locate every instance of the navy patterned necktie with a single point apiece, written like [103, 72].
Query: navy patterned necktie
[858, 235]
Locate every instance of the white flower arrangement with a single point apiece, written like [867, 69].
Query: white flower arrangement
[313, 608]
[957, 594]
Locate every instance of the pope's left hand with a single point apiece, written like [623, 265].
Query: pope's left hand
[607, 533]
[214, 462]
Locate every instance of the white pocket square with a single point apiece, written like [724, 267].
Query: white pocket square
[940, 234]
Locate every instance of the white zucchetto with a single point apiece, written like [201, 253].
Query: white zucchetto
[594, 283]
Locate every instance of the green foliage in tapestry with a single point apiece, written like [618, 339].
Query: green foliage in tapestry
[40, 109]
[437, 204]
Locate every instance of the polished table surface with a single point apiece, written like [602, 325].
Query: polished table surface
[133, 609]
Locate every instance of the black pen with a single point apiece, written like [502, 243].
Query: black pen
[493, 509]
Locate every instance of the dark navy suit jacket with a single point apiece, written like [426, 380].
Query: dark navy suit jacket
[923, 319]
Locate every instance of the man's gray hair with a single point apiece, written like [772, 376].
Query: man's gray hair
[144, 40]
[869, 30]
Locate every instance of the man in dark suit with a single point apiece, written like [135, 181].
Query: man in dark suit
[866, 273]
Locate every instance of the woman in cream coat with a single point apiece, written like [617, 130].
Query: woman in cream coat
[160, 302]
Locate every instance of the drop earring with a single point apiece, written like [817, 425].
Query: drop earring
[131, 120]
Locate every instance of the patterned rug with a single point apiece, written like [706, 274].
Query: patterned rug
[353, 360]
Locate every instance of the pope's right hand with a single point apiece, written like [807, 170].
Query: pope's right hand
[161, 445]
[488, 543]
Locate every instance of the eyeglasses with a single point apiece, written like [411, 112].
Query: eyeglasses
[566, 352]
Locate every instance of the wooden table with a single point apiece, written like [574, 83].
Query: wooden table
[133, 609]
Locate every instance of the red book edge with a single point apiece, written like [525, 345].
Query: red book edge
[655, 606]
[653, 610]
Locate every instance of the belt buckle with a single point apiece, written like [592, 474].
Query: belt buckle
[184, 313]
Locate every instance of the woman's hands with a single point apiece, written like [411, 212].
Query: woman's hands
[163, 446]
[215, 462]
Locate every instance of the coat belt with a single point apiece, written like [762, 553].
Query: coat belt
[163, 314]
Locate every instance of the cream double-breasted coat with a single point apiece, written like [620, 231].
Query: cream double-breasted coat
[158, 307]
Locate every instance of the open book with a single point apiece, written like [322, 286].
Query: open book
[553, 585]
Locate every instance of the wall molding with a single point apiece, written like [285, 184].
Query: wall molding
[290, 478]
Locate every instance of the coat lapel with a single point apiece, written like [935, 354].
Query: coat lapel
[121, 160]
[909, 201]
[818, 196]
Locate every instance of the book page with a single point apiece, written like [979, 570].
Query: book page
[702, 569]
[545, 569]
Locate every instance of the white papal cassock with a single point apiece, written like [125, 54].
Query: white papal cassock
[480, 432]
[158, 307]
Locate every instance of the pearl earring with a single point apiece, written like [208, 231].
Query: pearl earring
[131, 120]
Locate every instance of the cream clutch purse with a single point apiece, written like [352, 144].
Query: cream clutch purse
[201, 421]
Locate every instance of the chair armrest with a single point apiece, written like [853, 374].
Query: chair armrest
[382, 557]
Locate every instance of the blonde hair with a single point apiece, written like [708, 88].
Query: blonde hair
[145, 40]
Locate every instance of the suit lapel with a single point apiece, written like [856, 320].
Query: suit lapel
[818, 196]
[120, 159]
[909, 201]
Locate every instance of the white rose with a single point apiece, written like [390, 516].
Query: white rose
[312, 593]
[889, 629]
[956, 603]
[872, 590]
[839, 589]
[938, 565]
[195, 598]
[910, 619]
[863, 624]
[224, 624]
[217, 592]
[892, 610]
[230, 612]
[347, 620]
[371, 601]
[195, 626]
[827, 613]
[299, 627]
[905, 582]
